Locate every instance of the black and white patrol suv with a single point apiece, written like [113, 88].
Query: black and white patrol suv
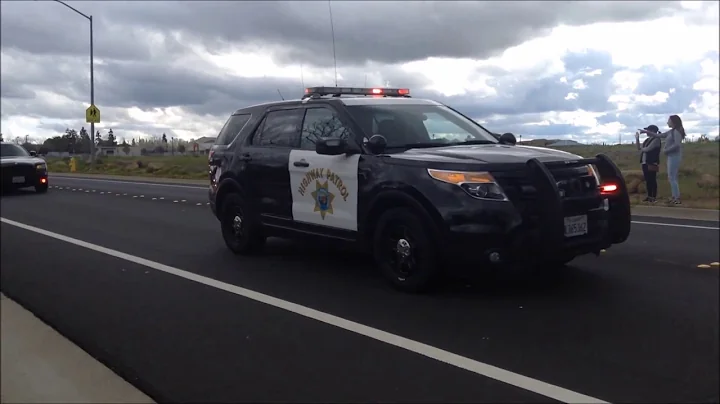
[420, 185]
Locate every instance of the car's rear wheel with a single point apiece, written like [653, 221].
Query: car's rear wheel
[41, 188]
[241, 228]
[404, 250]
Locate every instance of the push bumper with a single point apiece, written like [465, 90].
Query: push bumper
[515, 236]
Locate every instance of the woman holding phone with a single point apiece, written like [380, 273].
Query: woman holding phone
[650, 161]
[673, 152]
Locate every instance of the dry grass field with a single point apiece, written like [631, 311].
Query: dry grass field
[698, 173]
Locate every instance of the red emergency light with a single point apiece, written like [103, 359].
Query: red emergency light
[338, 91]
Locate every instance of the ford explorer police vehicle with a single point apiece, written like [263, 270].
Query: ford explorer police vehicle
[421, 186]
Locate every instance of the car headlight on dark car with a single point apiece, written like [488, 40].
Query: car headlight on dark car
[41, 167]
[480, 185]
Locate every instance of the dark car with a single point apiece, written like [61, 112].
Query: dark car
[21, 169]
[421, 186]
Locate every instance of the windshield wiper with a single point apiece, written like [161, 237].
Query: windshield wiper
[419, 145]
[471, 142]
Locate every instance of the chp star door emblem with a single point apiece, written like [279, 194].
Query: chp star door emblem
[323, 199]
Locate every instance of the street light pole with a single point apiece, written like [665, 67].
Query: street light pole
[92, 76]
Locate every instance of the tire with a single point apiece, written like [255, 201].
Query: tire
[403, 224]
[42, 188]
[248, 238]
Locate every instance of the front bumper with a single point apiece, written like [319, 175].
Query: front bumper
[23, 176]
[524, 232]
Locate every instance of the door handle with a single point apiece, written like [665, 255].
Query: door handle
[301, 163]
[245, 157]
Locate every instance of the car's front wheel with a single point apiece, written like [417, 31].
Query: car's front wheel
[241, 228]
[404, 250]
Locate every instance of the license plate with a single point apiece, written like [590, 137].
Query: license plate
[18, 180]
[576, 226]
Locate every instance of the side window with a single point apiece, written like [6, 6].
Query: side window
[279, 129]
[321, 123]
[232, 129]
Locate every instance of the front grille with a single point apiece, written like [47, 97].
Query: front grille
[577, 187]
[17, 170]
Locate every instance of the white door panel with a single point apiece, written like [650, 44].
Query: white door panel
[324, 192]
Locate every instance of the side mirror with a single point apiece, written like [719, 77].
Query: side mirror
[376, 144]
[33, 153]
[331, 146]
[508, 138]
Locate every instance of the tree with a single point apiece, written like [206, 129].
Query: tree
[1, 137]
[98, 139]
[73, 140]
[84, 141]
[181, 148]
[164, 138]
[111, 139]
[133, 144]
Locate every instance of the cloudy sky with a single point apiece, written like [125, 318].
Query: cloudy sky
[580, 70]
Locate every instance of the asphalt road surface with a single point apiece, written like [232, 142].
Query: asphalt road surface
[139, 277]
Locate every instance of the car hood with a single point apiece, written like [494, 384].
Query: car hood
[490, 154]
[9, 161]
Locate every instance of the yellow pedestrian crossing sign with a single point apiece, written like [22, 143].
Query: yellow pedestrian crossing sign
[92, 114]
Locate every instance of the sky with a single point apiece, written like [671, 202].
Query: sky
[586, 71]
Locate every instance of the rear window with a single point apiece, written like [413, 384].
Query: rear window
[232, 129]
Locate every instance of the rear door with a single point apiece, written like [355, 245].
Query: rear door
[267, 155]
[220, 154]
[324, 188]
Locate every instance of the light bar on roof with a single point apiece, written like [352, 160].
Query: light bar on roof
[391, 92]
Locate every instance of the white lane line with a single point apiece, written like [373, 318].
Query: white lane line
[483, 369]
[154, 184]
[687, 226]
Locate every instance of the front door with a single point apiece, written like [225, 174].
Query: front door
[324, 188]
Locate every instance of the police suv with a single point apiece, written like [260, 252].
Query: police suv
[420, 185]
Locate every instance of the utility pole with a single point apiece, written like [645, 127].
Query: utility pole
[92, 76]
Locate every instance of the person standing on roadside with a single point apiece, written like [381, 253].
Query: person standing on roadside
[650, 161]
[673, 153]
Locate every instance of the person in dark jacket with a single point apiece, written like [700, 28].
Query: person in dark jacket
[650, 160]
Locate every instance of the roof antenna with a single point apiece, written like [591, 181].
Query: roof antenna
[281, 97]
[302, 77]
[332, 30]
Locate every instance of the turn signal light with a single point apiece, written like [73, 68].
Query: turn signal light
[43, 180]
[608, 188]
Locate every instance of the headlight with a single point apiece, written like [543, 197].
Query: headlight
[481, 185]
[592, 171]
[41, 167]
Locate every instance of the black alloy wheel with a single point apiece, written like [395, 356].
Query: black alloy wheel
[405, 251]
[240, 230]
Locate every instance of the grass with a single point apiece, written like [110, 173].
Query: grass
[698, 173]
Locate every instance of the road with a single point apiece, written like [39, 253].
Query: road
[138, 276]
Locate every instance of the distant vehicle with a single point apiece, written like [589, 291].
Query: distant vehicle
[21, 169]
[421, 186]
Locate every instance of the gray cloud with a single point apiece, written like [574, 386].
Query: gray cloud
[389, 32]
[144, 57]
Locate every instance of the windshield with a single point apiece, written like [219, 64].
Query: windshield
[11, 150]
[404, 125]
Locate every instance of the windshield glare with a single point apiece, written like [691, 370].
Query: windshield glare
[11, 150]
[409, 124]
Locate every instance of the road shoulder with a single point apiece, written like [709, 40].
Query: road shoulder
[39, 365]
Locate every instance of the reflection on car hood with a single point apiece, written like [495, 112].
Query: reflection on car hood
[12, 160]
[492, 153]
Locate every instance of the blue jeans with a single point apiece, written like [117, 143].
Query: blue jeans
[673, 166]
